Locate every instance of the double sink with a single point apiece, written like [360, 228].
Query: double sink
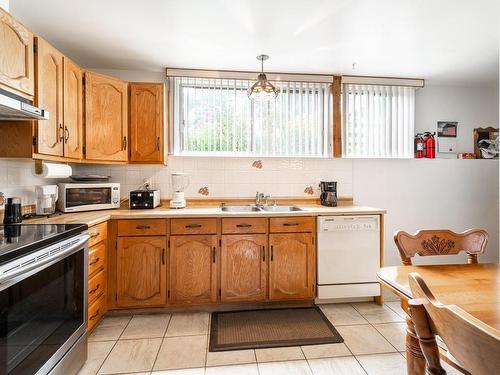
[253, 208]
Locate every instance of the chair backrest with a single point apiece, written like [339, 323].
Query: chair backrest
[475, 345]
[441, 242]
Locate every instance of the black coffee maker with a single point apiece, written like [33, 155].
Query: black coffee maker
[328, 195]
[12, 211]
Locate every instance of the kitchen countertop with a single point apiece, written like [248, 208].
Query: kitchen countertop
[95, 217]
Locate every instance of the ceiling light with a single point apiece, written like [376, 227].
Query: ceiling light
[262, 89]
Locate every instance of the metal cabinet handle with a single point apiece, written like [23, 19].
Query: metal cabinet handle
[142, 227]
[61, 133]
[193, 226]
[66, 134]
[213, 254]
[95, 289]
[272, 253]
[290, 224]
[243, 225]
[163, 256]
[95, 315]
[158, 143]
[95, 234]
[124, 146]
[94, 261]
[263, 253]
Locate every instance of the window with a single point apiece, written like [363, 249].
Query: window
[378, 121]
[214, 116]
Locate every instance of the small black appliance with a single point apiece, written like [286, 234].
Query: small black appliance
[144, 199]
[328, 195]
[12, 211]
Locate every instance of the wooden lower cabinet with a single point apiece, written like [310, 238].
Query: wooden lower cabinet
[243, 267]
[97, 274]
[292, 265]
[193, 269]
[141, 271]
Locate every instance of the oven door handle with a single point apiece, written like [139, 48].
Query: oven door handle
[47, 260]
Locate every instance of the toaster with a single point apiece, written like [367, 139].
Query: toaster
[140, 199]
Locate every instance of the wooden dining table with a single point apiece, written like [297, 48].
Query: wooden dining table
[475, 288]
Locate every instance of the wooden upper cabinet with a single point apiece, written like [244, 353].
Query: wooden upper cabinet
[16, 56]
[292, 265]
[243, 267]
[147, 128]
[106, 130]
[73, 110]
[193, 269]
[141, 271]
[49, 95]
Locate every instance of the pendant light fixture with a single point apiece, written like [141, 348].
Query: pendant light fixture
[262, 90]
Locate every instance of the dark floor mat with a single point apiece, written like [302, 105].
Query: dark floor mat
[273, 328]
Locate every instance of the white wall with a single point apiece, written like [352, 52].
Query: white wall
[4, 4]
[472, 107]
[431, 194]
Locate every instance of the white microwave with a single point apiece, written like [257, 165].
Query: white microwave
[88, 197]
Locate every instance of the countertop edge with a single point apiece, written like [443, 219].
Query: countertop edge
[96, 217]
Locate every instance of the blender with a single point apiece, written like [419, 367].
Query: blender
[180, 182]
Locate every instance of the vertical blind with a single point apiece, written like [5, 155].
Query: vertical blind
[214, 116]
[377, 121]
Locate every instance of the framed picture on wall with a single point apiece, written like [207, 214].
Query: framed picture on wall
[447, 129]
[489, 134]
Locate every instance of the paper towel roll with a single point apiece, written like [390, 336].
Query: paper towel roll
[52, 170]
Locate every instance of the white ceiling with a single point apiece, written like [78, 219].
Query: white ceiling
[451, 42]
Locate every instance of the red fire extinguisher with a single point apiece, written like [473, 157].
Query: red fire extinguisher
[419, 146]
[430, 146]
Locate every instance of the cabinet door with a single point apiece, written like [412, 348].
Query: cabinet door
[106, 134]
[73, 110]
[243, 267]
[49, 72]
[193, 269]
[146, 122]
[291, 266]
[16, 57]
[141, 271]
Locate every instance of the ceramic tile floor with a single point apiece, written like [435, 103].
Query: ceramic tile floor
[177, 344]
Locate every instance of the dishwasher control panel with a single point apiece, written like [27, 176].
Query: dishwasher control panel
[347, 223]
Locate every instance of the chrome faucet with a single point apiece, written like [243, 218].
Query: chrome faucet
[259, 197]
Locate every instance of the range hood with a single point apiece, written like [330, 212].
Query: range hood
[14, 107]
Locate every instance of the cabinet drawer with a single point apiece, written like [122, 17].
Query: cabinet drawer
[97, 286]
[244, 225]
[97, 257]
[98, 233]
[96, 311]
[142, 227]
[193, 226]
[291, 224]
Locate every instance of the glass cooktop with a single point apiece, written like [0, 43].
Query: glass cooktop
[19, 239]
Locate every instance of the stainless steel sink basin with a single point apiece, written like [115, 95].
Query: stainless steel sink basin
[281, 208]
[240, 209]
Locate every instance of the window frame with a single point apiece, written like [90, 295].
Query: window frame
[177, 111]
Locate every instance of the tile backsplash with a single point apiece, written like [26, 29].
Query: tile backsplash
[17, 180]
[233, 177]
[209, 177]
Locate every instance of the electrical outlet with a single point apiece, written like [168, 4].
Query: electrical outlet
[147, 183]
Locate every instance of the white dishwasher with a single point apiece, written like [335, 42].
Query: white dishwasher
[348, 256]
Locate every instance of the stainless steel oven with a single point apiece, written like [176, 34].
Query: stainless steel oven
[43, 306]
[88, 196]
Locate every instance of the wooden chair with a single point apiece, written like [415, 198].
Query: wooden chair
[470, 345]
[441, 242]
